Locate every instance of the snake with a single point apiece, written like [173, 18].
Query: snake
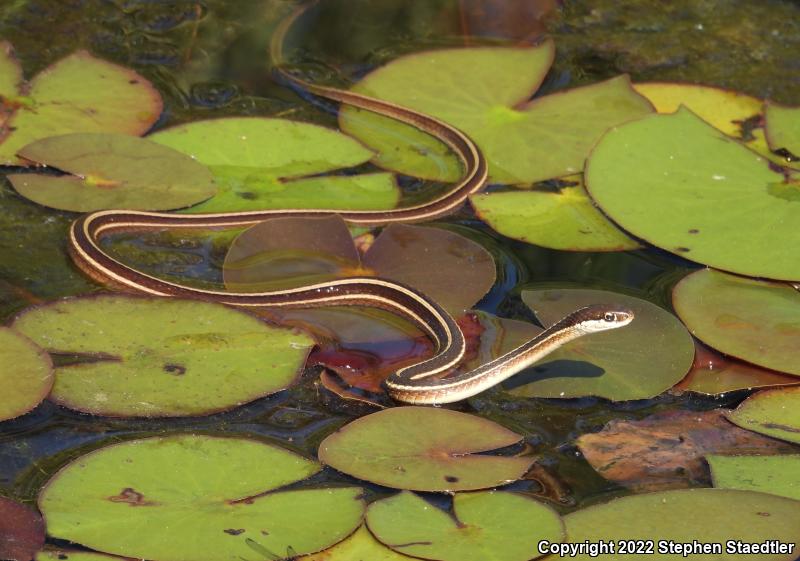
[423, 383]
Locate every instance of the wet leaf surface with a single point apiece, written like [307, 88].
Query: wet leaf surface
[21, 531]
[666, 450]
[161, 357]
[79, 93]
[196, 497]
[783, 130]
[26, 374]
[778, 475]
[485, 92]
[638, 361]
[565, 219]
[484, 526]
[775, 413]
[424, 449]
[753, 320]
[680, 184]
[261, 163]
[75, 555]
[112, 171]
[677, 516]
[361, 545]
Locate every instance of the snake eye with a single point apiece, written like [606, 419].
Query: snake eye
[609, 316]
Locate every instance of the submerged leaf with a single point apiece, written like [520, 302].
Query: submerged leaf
[26, 374]
[21, 531]
[195, 497]
[161, 357]
[775, 413]
[112, 171]
[424, 449]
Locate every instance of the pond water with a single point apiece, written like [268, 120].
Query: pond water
[210, 59]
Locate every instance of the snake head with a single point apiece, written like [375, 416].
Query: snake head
[592, 319]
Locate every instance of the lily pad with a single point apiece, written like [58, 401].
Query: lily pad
[666, 450]
[424, 449]
[638, 361]
[709, 516]
[112, 171]
[484, 91]
[715, 374]
[261, 163]
[783, 129]
[26, 374]
[75, 555]
[680, 184]
[565, 219]
[196, 497]
[775, 413]
[161, 357]
[484, 526]
[21, 531]
[779, 475]
[79, 93]
[359, 546]
[754, 320]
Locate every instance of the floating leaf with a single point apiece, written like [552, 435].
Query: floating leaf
[484, 526]
[783, 129]
[714, 374]
[778, 475]
[162, 357]
[75, 555]
[10, 79]
[26, 375]
[79, 93]
[484, 91]
[195, 497]
[565, 219]
[112, 171]
[359, 546]
[666, 450]
[261, 163]
[754, 320]
[636, 362]
[708, 516]
[680, 184]
[21, 530]
[775, 413]
[424, 449]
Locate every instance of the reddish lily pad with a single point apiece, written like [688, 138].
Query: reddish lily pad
[261, 163]
[21, 531]
[112, 171]
[162, 357]
[26, 374]
[196, 497]
[639, 361]
[484, 91]
[783, 129]
[79, 93]
[753, 320]
[775, 413]
[709, 516]
[484, 526]
[779, 475]
[424, 449]
[666, 450]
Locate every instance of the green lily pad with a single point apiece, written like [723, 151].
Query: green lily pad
[161, 357]
[680, 184]
[75, 555]
[424, 449]
[26, 374]
[566, 219]
[261, 163]
[112, 171]
[10, 77]
[21, 529]
[708, 516]
[783, 128]
[638, 361]
[775, 413]
[196, 497]
[754, 320]
[484, 91]
[778, 475]
[359, 546]
[79, 93]
[484, 526]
